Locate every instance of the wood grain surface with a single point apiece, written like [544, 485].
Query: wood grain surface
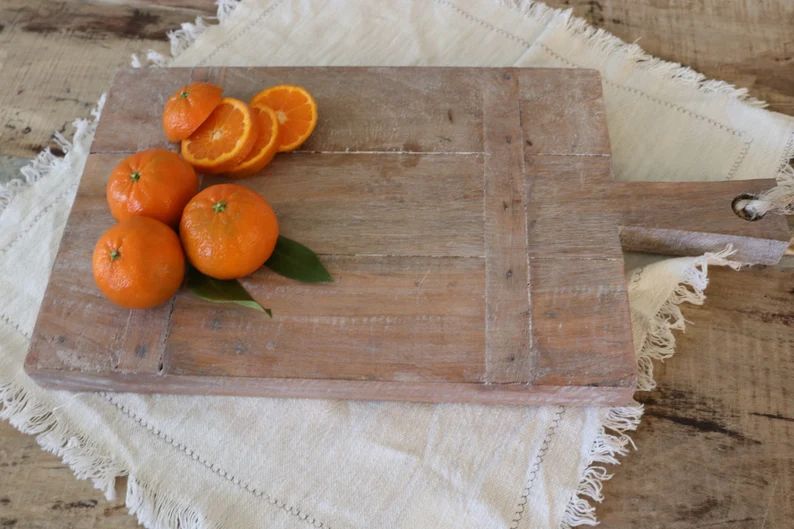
[397, 214]
[694, 435]
[455, 279]
[716, 445]
[45, 45]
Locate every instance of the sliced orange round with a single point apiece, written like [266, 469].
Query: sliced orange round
[296, 111]
[265, 146]
[223, 140]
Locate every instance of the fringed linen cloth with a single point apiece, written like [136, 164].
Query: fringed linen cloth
[200, 462]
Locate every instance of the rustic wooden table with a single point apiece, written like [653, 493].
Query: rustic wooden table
[716, 446]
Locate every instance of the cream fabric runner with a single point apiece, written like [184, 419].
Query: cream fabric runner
[197, 462]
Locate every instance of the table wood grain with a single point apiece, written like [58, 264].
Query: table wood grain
[715, 447]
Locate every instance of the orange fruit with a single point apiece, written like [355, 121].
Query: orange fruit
[223, 140]
[153, 183]
[228, 231]
[138, 263]
[296, 111]
[188, 107]
[265, 146]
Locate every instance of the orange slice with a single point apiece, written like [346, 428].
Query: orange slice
[296, 111]
[265, 146]
[223, 140]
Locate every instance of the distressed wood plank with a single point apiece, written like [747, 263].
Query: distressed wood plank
[564, 204]
[440, 108]
[86, 332]
[370, 204]
[404, 391]
[581, 323]
[395, 318]
[563, 113]
[720, 423]
[508, 345]
[38, 491]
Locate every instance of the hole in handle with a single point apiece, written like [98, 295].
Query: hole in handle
[741, 206]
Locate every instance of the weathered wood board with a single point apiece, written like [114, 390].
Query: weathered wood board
[468, 216]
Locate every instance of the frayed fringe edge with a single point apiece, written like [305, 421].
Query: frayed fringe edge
[184, 37]
[612, 440]
[46, 163]
[17, 404]
[601, 39]
[89, 461]
[660, 342]
[156, 512]
[612, 46]
[85, 458]
[779, 199]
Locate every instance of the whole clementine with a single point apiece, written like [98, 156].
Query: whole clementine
[188, 108]
[138, 263]
[153, 183]
[228, 231]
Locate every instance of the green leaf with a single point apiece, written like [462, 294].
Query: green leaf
[221, 291]
[295, 261]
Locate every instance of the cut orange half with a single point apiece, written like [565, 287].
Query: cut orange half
[187, 109]
[223, 140]
[265, 146]
[296, 111]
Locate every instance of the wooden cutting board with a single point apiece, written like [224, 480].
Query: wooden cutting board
[468, 216]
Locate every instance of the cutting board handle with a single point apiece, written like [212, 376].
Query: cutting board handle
[690, 218]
